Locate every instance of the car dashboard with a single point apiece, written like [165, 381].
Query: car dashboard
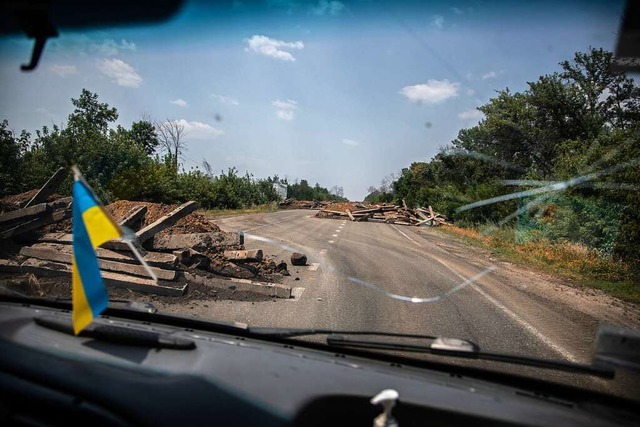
[49, 377]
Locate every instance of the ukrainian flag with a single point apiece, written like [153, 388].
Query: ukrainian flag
[92, 226]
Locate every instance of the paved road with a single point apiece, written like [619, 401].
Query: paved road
[372, 276]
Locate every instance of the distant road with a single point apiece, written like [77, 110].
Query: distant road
[372, 276]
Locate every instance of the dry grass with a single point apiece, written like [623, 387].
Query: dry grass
[584, 265]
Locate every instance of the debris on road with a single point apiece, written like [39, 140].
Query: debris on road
[386, 213]
[35, 236]
[298, 259]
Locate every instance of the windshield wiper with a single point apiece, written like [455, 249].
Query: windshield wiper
[118, 334]
[466, 349]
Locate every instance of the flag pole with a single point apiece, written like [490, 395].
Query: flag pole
[77, 176]
[142, 261]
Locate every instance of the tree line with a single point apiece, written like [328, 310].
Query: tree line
[559, 160]
[138, 163]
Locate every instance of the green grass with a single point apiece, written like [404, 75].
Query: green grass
[217, 213]
[585, 267]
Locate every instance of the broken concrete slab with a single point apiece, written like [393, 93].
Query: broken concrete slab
[271, 289]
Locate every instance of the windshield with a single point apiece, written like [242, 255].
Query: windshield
[460, 169]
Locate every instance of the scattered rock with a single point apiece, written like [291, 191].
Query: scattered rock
[297, 278]
[298, 259]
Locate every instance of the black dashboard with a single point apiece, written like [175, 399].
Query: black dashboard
[48, 377]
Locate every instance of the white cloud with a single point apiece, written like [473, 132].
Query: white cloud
[110, 47]
[471, 115]
[350, 142]
[432, 92]
[470, 92]
[120, 72]
[327, 7]
[285, 114]
[64, 70]
[272, 48]
[199, 130]
[438, 21]
[285, 109]
[457, 10]
[225, 99]
[179, 102]
[489, 75]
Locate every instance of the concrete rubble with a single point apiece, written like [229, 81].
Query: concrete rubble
[179, 244]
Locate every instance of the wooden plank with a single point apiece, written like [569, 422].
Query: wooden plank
[247, 255]
[36, 223]
[431, 212]
[166, 221]
[50, 254]
[156, 259]
[24, 213]
[48, 188]
[366, 211]
[334, 212]
[9, 266]
[62, 242]
[135, 215]
[404, 204]
[48, 268]
[351, 217]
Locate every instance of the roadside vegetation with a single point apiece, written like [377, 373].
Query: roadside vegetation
[550, 174]
[142, 162]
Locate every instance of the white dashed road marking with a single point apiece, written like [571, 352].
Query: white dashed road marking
[322, 252]
[314, 266]
[331, 241]
[334, 235]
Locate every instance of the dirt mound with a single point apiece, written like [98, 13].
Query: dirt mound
[16, 201]
[192, 223]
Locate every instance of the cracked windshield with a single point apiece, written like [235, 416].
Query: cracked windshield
[458, 169]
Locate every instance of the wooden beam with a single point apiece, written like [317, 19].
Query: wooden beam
[50, 254]
[110, 279]
[49, 187]
[24, 213]
[166, 221]
[135, 215]
[247, 255]
[351, 217]
[36, 223]
[334, 212]
[62, 242]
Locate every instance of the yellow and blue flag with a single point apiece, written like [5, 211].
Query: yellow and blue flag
[92, 227]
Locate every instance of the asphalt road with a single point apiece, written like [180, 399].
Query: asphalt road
[382, 277]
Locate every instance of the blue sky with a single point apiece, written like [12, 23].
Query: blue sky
[336, 92]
